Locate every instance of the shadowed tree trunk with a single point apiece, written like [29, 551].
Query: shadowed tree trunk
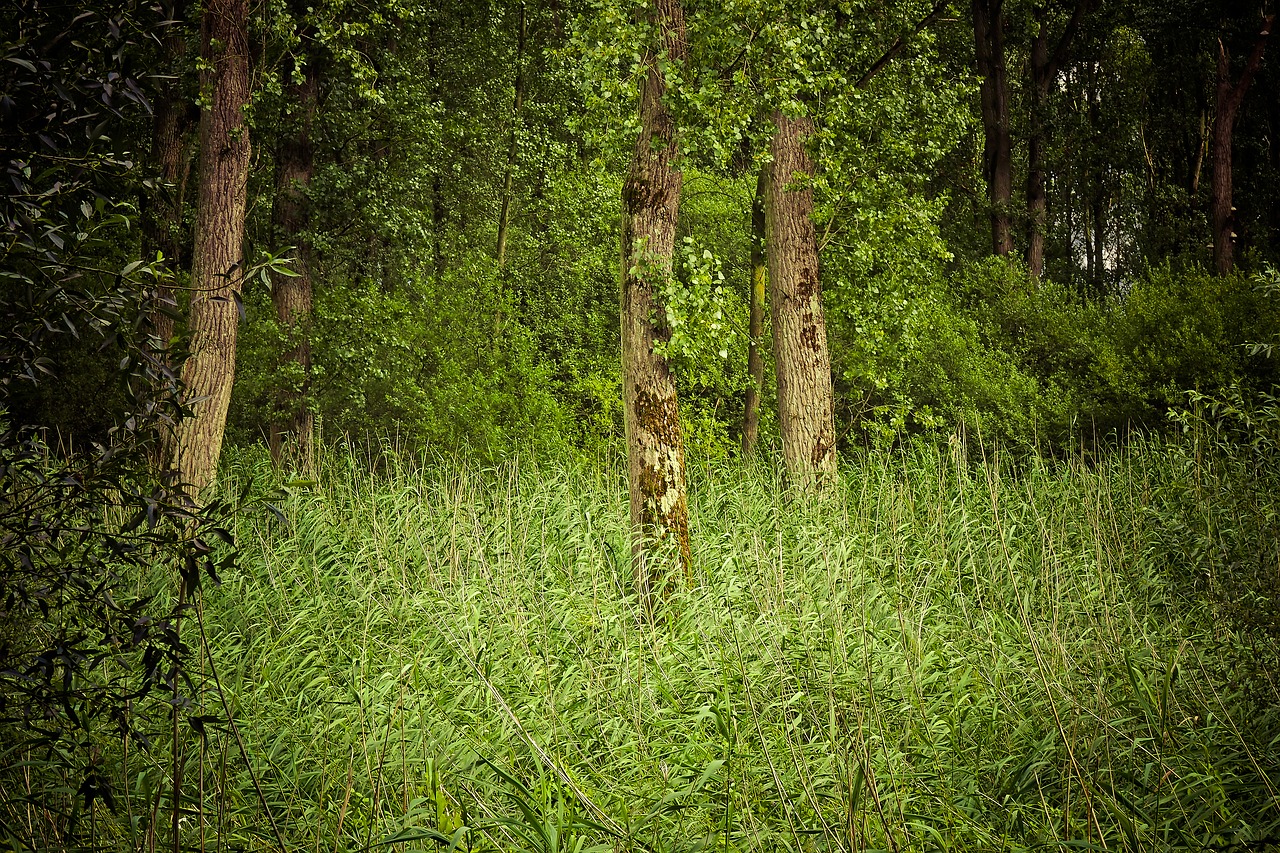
[173, 120]
[216, 269]
[1044, 70]
[655, 442]
[292, 295]
[802, 362]
[508, 177]
[997, 149]
[1229, 97]
[755, 331]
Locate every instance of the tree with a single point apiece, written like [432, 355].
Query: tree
[1229, 97]
[802, 361]
[508, 175]
[218, 258]
[291, 292]
[755, 328]
[997, 148]
[173, 120]
[1044, 70]
[655, 440]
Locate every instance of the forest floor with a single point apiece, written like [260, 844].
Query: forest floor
[943, 653]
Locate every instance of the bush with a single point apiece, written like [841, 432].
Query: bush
[97, 555]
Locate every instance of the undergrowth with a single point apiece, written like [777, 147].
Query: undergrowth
[944, 654]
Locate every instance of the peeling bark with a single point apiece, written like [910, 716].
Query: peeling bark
[217, 261]
[655, 441]
[802, 362]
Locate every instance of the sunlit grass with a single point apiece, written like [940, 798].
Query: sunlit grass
[944, 654]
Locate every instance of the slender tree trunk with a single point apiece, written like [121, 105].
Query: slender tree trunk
[755, 330]
[997, 154]
[1227, 105]
[1201, 148]
[504, 216]
[1099, 237]
[292, 295]
[217, 266]
[802, 362]
[1044, 70]
[173, 120]
[655, 441]
[1037, 196]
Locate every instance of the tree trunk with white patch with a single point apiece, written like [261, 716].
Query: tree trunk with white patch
[655, 441]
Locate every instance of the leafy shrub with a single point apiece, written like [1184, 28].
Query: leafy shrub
[92, 663]
[1033, 364]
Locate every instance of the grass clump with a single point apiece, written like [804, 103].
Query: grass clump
[943, 654]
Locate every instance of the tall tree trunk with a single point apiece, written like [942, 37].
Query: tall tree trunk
[292, 295]
[173, 120]
[1227, 104]
[217, 262]
[802, 362]
[655, 441]
[1099, 236]
[755, 329]
[504, 216]
[997, 153]
[1044, 70]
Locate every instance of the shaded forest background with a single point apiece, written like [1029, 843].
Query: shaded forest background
[431, 135]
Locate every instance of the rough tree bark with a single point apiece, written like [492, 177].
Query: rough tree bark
[806, 409]
[655, 441]
[755, 330]
[1227, 104]
[1044, 70]
[216, 269]
[173, 120]
[292, 295]
[997, 150]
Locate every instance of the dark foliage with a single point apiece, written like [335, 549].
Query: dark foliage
[99, 555]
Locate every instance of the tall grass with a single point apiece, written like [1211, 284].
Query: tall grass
[944, 654]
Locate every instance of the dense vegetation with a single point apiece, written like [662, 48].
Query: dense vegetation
[930, 504]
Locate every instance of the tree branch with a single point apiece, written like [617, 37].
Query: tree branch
[899, 43]
[1241, 86]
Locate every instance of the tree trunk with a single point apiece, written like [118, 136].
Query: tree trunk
[1044, 70]
[655, 441]
[504, 216]
[291, 295]
[802, 362]
[1037, 196]
[217, 268]
[997, 153]
[1227, 104]
[172, 122]
[755, 330]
